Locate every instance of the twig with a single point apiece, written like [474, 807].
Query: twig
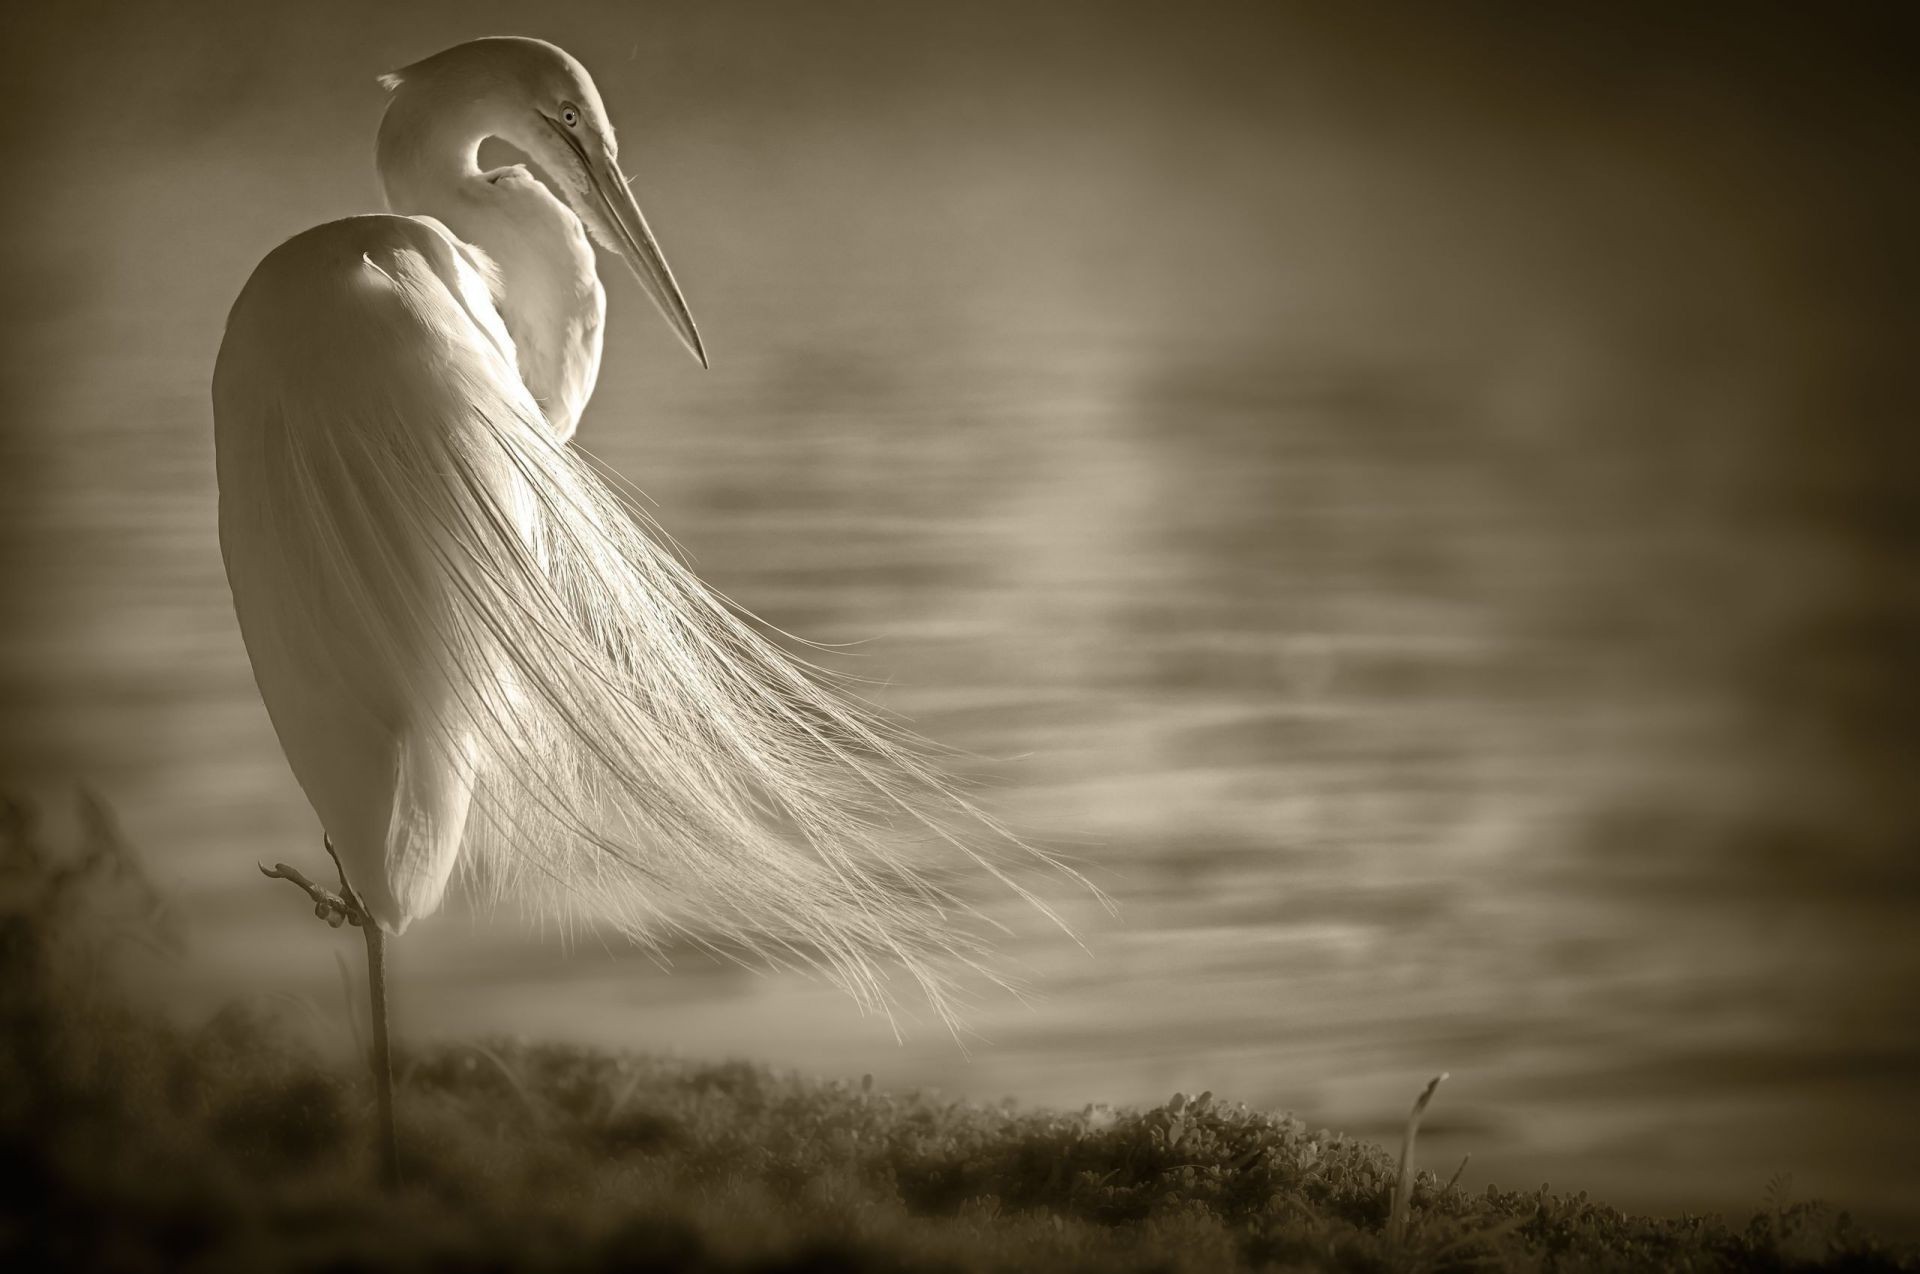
[1403, 1188]
[507, 1072]
[1454, 1180]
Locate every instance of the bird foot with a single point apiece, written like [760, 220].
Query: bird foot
[334, 908]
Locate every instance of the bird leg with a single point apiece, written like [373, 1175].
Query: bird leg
[346, 890]
[345, 907]
[335, 909]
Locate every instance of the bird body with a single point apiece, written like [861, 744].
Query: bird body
[345, 333]
[475, 653]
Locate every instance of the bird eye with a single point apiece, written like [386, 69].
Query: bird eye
[569, 116]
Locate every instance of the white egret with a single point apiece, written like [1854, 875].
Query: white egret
[472, 651]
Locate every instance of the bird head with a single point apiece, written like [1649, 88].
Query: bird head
[538, 97]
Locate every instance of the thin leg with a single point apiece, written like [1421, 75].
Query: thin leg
[389, 1148]
[345, 907]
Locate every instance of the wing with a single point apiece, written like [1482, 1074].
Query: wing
[456, 620]
[349, 342]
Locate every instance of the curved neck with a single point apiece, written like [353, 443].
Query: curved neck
[544, 284]
[428, 149]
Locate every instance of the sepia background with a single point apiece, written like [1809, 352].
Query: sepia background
[1419, 501]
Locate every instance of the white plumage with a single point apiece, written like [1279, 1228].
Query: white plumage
[473, 652]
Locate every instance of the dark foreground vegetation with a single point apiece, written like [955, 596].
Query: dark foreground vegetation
[130, 1144]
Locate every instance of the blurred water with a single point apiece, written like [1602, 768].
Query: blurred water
[1441, 566]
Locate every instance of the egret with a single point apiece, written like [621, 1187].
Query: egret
[476, 653]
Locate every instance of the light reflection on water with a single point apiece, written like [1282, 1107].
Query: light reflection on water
[1393, 633]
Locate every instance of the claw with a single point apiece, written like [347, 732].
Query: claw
[327, 905]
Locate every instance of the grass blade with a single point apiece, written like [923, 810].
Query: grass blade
[1403, 1188]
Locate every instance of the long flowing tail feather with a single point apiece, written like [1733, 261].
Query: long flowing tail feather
[645, 757]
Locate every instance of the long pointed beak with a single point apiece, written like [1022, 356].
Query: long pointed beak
[636, 240]
[643, 254]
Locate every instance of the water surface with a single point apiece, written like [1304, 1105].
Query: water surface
[1421, 515]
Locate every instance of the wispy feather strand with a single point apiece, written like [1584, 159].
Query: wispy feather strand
[644, 756]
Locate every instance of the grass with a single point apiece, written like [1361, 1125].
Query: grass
[135, 1145]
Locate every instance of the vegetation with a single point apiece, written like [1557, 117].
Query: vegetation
[134, 1145]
